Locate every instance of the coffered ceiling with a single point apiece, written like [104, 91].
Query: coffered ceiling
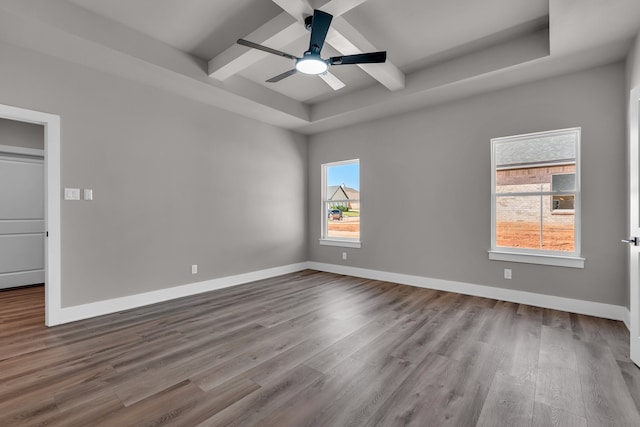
[437, 50]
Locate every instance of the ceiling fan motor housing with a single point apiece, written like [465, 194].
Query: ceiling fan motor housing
[308, 22]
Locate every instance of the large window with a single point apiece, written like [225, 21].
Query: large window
[536, 198]
[341, 204]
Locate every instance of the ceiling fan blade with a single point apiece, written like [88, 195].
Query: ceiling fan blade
[265, 48]
[361, 58]
[319, 29]
[331, 80]
[282, 76]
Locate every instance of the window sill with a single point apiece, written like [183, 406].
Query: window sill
[563, 212]
[341, 243]
[542, 259]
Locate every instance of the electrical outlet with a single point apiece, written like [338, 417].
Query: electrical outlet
[194, 269]
[344, 255]
[507, 273]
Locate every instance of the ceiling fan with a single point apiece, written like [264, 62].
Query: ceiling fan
[311, 62]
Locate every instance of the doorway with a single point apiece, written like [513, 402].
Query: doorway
[51, 223]
[22, 227]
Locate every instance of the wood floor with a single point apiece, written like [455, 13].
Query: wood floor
[316, 349]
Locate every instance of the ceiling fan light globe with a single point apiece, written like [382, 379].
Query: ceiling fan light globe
[311, 66]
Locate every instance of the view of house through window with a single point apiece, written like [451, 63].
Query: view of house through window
[341, 200]
[536, 191]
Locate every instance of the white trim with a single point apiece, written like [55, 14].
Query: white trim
[634, 225]
[542, 259]
[607, 311]
[341, 243]
[10, 149]
[53, 268]
[21, 278]
[99, 308]
[627, 318]
[21, 159]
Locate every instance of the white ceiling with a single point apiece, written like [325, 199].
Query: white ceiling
[437, 50]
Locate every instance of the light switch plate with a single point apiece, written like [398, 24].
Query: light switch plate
[88, 194]
[72, 194]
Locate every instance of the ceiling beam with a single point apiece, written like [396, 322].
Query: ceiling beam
[346, 39]
[340, 7]
[301, 8]
[286, 27]
[276, 34]
[296, 8]
[60, 29]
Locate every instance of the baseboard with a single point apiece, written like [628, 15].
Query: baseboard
[607, 311]
[627, 318]
[23, 278]
[99, 308]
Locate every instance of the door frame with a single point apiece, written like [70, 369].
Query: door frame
[634, 223]
[52, 194]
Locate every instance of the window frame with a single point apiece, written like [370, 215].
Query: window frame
[538, 256]
[346, 242]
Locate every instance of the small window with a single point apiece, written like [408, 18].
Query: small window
[563, 204]
[535, 198]
[341, 203]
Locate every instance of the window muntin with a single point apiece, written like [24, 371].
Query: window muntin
[535, 193]
[341, 202]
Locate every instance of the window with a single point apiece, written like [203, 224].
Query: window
[536, 198]
[563, 204]
[341, 204]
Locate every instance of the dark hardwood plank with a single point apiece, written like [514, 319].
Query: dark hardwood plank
[548, 416]
[262, 352]
[213, 402]
[366, 389]
[311, 349]
[509, 402]
[309, 404]
[607, 399]
[266, 400]
[522, 349]
[556, 319]
[442, 391]
[558, 384]
[631, 375]
[336, 353]
[418, 395]
[425, 339]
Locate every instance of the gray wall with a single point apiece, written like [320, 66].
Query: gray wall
[426, 175]
[21, 134]
[179, 183]
[175, 182]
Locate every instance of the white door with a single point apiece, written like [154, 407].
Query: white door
[634, 226]
[22, 225]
